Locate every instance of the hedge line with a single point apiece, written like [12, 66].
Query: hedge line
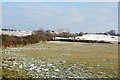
[9, 41]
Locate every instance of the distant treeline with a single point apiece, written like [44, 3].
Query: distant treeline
[42, 35]
[9, 41]
[9, 30]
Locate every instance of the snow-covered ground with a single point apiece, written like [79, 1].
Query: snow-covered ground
[95, 37]
[16, 33]
[98, 37]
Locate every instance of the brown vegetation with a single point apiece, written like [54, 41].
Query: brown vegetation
[9, 41]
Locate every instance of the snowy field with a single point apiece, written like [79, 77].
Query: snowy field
[61, 60]
[16, 33]
[94, 37]
[98, 37]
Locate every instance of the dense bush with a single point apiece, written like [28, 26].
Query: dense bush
[86, 41]
[66, 34]
[9, 41]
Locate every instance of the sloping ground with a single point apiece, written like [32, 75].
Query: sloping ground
[98, 37]
[61, 60]
[16, 33]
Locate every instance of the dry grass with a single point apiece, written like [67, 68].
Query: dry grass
[92, 54]
[72, 59]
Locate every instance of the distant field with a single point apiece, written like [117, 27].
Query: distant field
[61, 60]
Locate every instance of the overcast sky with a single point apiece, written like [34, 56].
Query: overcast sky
[78, 17]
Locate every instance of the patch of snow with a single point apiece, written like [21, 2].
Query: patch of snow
[97, 37]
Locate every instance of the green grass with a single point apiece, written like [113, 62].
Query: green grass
[95, 57]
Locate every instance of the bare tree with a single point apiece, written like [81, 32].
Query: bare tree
[60, 30]
[67, 30]
[41, 29]
[38, 31]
